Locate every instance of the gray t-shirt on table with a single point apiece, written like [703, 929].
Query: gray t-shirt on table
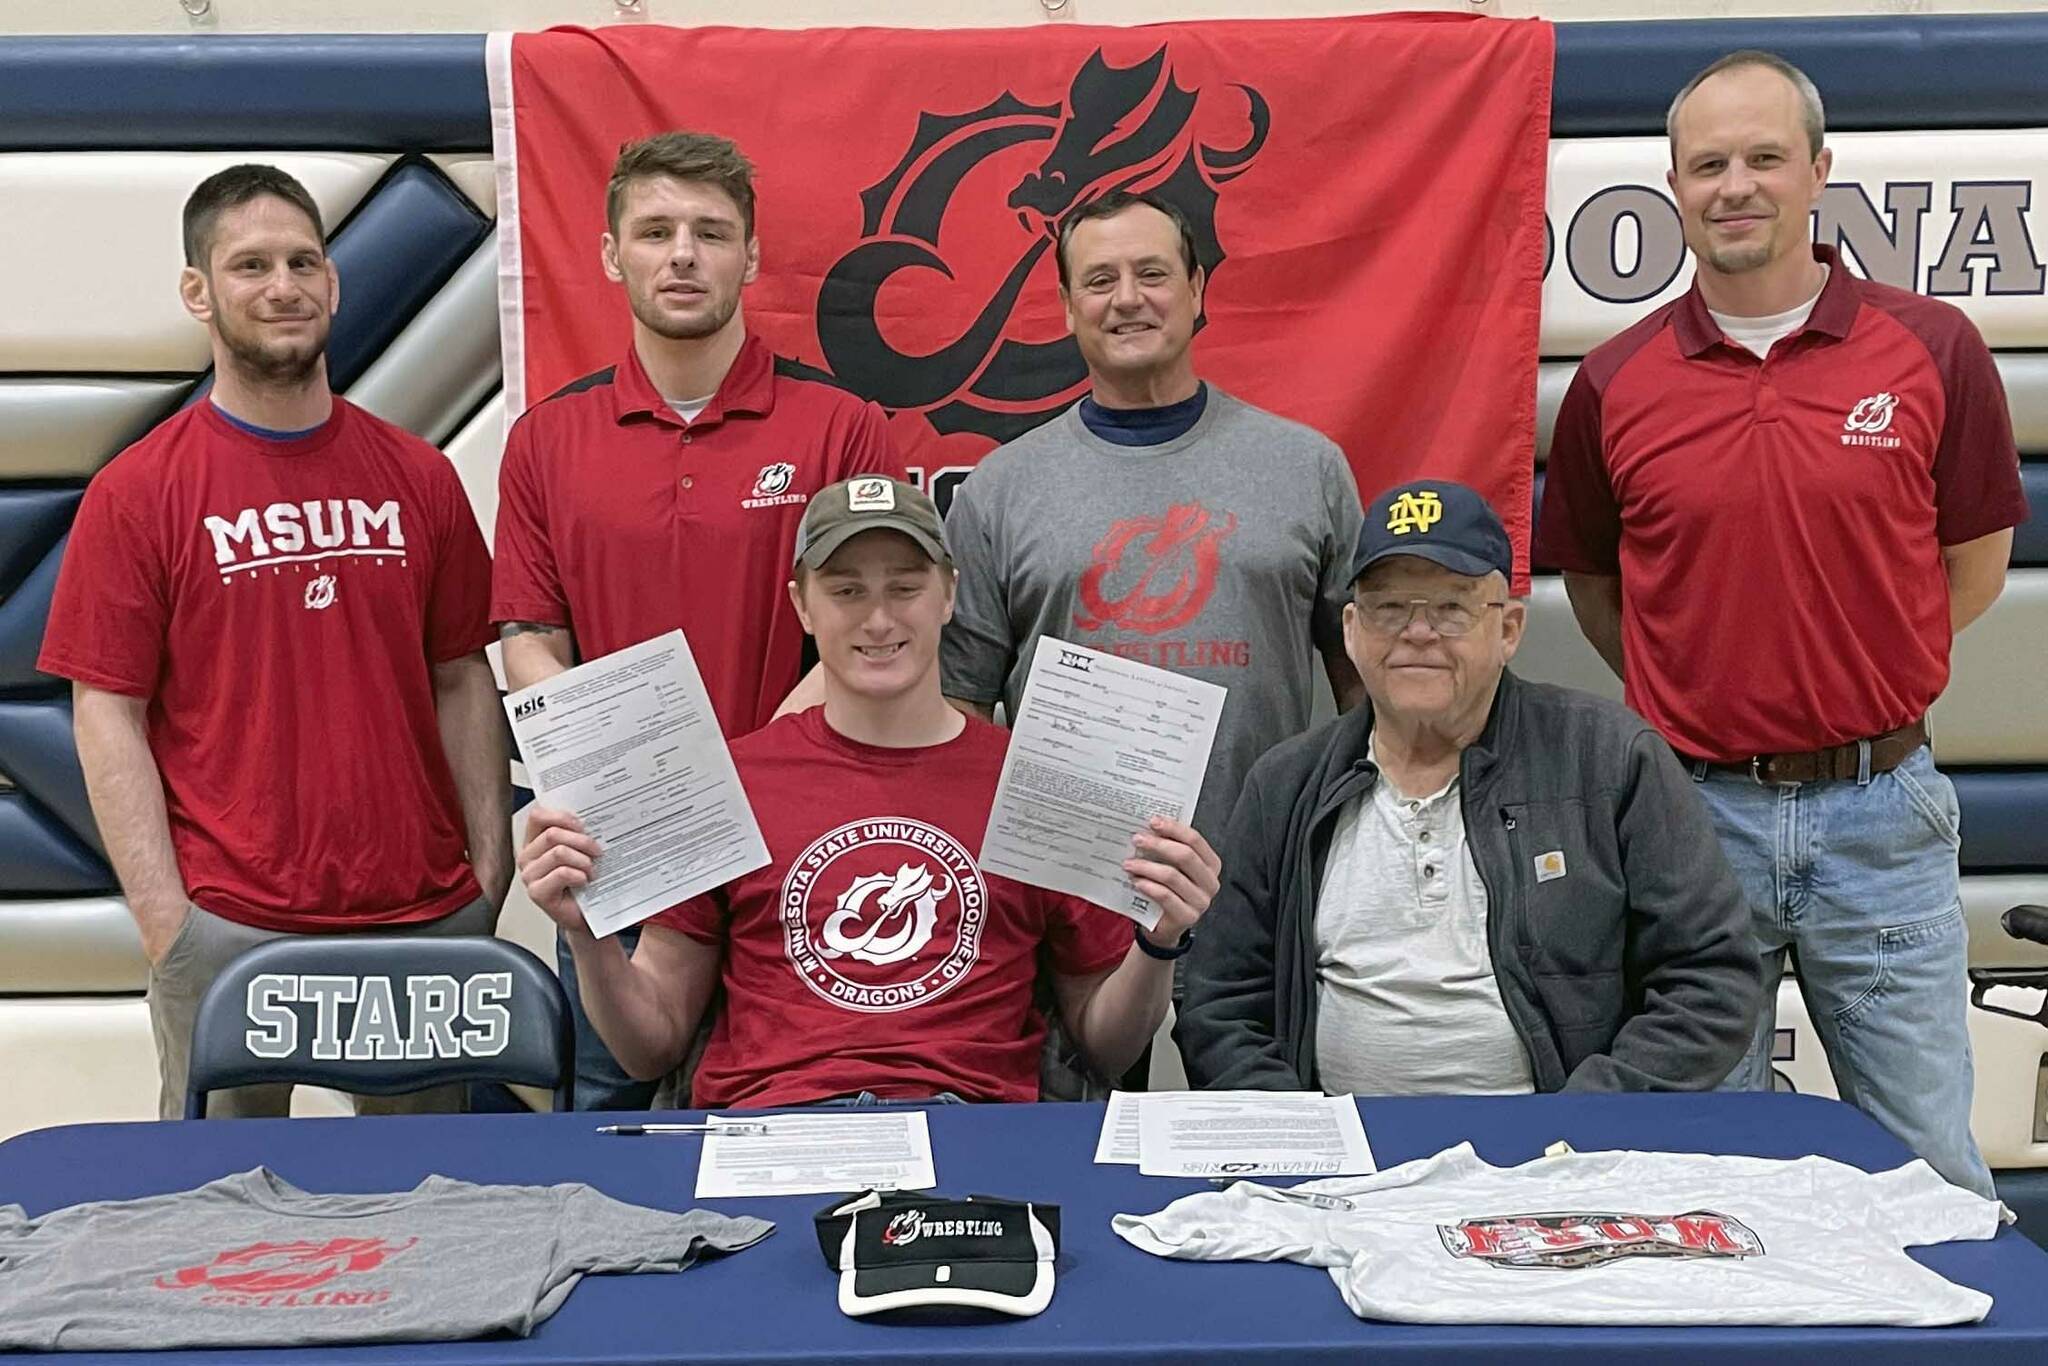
[252, 1261]
[1223, 554]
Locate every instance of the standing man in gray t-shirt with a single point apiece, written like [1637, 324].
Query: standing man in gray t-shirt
[1159, 518]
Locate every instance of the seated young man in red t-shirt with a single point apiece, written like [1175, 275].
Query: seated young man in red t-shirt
[872, 954]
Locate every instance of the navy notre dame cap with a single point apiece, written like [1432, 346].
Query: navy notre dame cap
[1434, 519]
[901, 1251]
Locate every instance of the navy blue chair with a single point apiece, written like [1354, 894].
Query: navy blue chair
[382, 1014]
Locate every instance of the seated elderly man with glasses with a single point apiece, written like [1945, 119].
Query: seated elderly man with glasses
[1473, 884]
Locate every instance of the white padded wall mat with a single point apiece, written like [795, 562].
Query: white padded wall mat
[1553, 377]
[70, 946]
[1554, 650]
[434, 373]
[90, 252]
[2026, 389]
[475, 174]
[475, 451]
[1985, 899]
[2007, 1054]
[1996, 708]
[75, 1060]
[1977, 199]
[68, 428]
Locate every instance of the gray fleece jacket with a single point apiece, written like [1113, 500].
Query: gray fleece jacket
[1636, 971]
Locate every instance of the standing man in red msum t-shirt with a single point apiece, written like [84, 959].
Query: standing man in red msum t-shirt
[273, 615]
[1776, 501]
[665, 491]
[873, 957]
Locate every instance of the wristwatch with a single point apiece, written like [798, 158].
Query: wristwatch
[1152, 950]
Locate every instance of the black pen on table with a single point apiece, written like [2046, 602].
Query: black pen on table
[750, 1127]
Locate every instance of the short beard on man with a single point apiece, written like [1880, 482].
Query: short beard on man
[276, 364]
[1739, 260]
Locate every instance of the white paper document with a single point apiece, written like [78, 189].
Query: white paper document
[1098, 746]
[1117, 1144]
[629, 743]
[1251, 1133]
[820, 1153]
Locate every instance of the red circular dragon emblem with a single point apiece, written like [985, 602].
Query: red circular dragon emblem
[1170, 585]
[263, 1268]
[883, 915]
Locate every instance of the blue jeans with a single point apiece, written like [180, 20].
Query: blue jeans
[1858, 880]
[868, 1100]
[601, 1084]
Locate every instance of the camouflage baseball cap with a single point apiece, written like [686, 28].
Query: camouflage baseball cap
[868, 502]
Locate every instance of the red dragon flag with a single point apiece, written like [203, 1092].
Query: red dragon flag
[1367, 195]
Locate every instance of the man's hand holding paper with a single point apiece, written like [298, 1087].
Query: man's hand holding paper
[1177, 871]
[641, 807]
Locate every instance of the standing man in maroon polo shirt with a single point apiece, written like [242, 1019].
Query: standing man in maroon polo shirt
[1776, 500]
[665, 491]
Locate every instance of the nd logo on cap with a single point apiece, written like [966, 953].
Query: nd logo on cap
[1415, 512]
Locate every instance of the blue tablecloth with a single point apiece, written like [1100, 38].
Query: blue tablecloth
[775, 1302]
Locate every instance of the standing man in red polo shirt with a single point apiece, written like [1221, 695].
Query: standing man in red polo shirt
[272, 612]
[1776, 501]
[665, 491]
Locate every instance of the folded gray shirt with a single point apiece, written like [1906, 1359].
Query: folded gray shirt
[251, 1260]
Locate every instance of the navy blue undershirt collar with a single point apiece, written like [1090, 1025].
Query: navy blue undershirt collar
[1144, 426]
[266, 433]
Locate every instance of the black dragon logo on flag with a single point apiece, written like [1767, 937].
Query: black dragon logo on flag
[1118, 128]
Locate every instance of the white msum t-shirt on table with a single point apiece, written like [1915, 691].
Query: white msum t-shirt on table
[1602, 1238]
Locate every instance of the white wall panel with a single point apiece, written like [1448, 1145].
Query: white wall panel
[90, 249]
[1996, 708]
[1985, 899]
[1617, 251]
[1553, 377]
[78, 944]
[2008, 1055]
[75, 1060]
[1554, 650]
[68, 428]
[475, 451]
[2026, 391]
[475, 174]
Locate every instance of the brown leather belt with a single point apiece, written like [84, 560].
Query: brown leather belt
[1838, 763]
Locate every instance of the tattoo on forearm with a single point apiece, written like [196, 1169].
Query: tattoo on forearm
[527, 628]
